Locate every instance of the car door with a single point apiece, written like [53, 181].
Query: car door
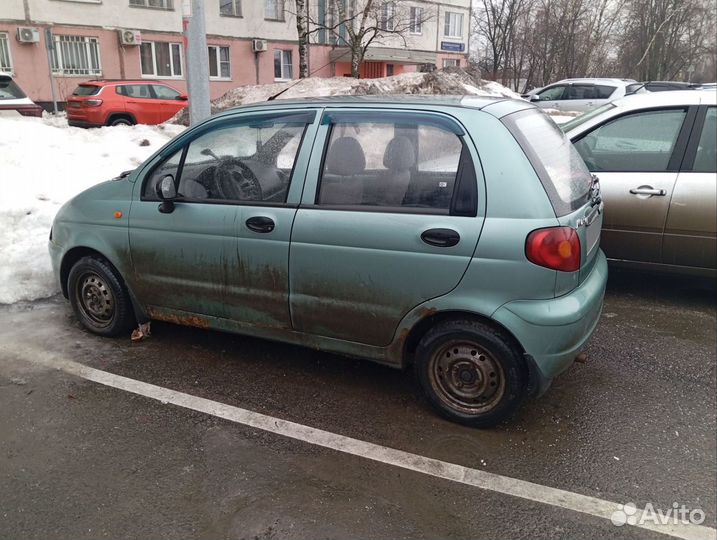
[170, 101]
[388, 220]
[691, 229]
[636, 156]
[550, 97]
[224, 249]
[141, 103]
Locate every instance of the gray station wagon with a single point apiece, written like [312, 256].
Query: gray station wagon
[457, 235]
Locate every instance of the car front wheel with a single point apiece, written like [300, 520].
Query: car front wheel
[99, 298]
[470, 372]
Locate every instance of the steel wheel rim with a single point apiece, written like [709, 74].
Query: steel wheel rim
[95, 299]
[466, 377]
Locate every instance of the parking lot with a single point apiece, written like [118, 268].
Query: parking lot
[86, 459]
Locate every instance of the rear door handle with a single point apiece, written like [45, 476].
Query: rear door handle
[441, 237]
[260, 224]
[648, 190]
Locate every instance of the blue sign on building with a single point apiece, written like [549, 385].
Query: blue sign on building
[452, 46]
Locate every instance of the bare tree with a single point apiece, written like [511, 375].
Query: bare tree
[357, 24]
[302, 29]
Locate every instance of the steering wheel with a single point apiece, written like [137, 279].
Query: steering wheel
[236, 181]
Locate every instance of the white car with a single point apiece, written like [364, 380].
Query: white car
[656, 157]
[13, 98]
[578, 94]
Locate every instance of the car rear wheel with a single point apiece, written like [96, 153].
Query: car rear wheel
[122, 121]
[99, 298]
[471, 373]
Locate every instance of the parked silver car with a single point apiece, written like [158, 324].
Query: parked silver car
[656, 157]
[579, 94]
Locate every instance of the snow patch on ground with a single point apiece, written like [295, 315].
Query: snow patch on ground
[43, 163]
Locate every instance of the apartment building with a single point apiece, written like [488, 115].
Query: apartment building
[249, 41]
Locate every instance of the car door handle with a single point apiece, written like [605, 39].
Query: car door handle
[648, 190]
[260, 224]
[441, 237]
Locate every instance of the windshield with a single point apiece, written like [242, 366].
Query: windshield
[580, 120]
[86, 90]
[10, 90]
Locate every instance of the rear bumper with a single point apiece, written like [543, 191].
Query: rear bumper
[553, 332]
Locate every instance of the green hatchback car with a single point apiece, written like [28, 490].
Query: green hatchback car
[457, 235]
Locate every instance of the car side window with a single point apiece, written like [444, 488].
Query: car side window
[706, 157]
[552, 94]
[391, 163]
[581, 91]
[164, 92]
[135, 91]
[248, 162]
[603, 91]
[639, 142]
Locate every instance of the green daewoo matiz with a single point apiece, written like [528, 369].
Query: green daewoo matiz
[457, 235]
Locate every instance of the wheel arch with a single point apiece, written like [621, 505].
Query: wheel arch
[120, 114]
[75, 254]
[423, 325]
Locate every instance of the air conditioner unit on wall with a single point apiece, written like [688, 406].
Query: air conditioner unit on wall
[259, 45]
[130, 37]
[28, 35]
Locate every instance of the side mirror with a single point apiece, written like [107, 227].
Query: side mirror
[167, 192]
[182, 97]
[535, 97]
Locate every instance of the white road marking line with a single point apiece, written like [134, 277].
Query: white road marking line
[433, 467]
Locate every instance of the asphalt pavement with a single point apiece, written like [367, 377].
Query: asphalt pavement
[80, 459]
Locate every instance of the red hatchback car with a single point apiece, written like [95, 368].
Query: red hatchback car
[123, 102]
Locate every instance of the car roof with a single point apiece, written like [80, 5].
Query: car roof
[606, 80]
[659, 99]
[459, 101]
[100, 82]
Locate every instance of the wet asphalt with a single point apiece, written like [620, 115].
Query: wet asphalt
[636, 423]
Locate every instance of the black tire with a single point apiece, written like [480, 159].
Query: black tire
[470, 373]
[121, 121]
[99, 298]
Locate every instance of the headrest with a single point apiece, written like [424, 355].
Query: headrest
[399, 154]
[345, 157]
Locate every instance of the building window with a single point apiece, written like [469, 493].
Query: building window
[154, 4]
[454, 25]
[219, 62]
[76, 55]
[283, 70]
[274, 10]
[5, 58]
[161, 59]
[230, 8]
[451, 62]
[387, 18]
[415, 24]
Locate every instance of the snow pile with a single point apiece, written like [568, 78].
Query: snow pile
[560, 117]
[446, 82]
[43, 163]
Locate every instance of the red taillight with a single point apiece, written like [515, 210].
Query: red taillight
[92, 102]
[554, 247]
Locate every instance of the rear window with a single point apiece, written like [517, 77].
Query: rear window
[86, 90]
[560, 168]
[10, 90]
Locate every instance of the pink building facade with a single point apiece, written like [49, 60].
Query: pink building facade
[134, 39]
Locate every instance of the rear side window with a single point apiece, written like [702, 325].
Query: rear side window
[560, 168]
[164, 92]
[401, 162]
[603, 91]
[581, 91]
[134, 91]
[86, 90]
[10, 90]
[706, 158]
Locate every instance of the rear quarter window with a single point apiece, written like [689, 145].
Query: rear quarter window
[9, 89]
[560, 168]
